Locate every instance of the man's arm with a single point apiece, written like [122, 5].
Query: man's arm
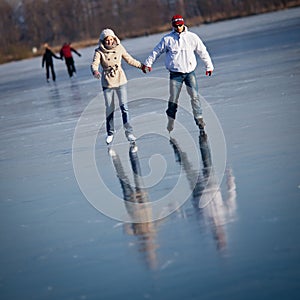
[73, 50]
[155, 54]
[204, 55]
[43, 60]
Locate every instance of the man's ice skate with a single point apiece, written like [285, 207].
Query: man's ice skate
[200, 122]
[133, 148]
[131, 138]
[170, 125]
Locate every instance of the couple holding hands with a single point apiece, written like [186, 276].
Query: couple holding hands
[180, 46]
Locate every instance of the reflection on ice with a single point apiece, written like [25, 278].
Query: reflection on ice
[75, 90]
[142, 227]
[210, 206]
[231, 193]
[208, 200]
[54, 93]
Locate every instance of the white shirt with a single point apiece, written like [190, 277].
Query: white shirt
[180, 52]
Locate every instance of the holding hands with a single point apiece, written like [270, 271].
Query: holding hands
[146, 69]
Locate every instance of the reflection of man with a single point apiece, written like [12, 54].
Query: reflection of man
[136, 202]
[207, 197]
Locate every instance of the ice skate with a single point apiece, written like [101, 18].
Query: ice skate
[131, 138]
[200, 122]
[170, 125]
[109, 139]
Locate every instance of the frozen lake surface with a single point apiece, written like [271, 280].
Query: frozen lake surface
[241, 243]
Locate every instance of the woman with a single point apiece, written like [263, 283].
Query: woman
[113, 79]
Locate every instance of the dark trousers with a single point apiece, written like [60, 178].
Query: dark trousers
[176, 82]
[70, 65]
[50, 66]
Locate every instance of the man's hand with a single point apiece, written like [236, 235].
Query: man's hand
[208, 73]
[146, 69]
[96, 74]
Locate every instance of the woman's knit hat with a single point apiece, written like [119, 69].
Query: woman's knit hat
[105, 33]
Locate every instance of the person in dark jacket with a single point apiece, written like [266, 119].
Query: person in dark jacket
[47, 58]
[66, 53]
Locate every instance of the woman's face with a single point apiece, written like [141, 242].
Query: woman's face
[109, 40]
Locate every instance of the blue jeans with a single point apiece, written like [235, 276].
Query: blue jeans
[176, 82]
[109, 97]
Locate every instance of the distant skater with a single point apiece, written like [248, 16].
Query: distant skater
[47, 59]
[109, 55]
[66, 53]
[180, 47]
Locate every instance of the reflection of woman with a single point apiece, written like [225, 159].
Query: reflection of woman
[109, 55]
[136, 202]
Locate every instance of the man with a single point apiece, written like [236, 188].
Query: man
[66, 52]
[180, 47]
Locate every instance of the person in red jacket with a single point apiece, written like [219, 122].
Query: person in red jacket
[66, 53]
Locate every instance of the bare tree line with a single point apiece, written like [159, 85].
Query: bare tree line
[30, 23]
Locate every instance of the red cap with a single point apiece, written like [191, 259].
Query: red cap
[177, 20]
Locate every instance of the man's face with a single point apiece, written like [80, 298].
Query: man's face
[179, 28]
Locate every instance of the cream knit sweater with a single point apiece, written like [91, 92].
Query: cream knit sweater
[112, 74]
